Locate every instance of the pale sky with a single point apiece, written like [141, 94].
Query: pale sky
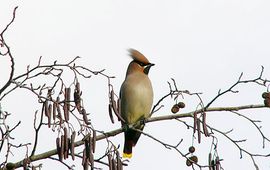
[204, 45]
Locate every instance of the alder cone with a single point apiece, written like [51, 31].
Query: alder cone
[188, 162]
[266, 95]
[181, 105]
[191, 149]
[175, 108]
[194, 158]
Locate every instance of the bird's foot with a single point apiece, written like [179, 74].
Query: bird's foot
[125, 127]
[143, 121]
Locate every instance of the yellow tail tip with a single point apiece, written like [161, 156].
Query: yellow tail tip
[127, 155]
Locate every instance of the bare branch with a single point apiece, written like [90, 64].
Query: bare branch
[2, 41]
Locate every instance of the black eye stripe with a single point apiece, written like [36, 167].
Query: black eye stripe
[140, 63]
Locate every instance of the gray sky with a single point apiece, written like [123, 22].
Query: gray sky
[203, 45]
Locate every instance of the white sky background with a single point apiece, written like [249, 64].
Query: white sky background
[203, 45]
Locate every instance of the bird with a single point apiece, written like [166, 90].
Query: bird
[136, 98]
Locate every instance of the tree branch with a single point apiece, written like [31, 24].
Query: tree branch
[152, 119]
[2, 41]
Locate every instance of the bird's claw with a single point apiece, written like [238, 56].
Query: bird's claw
[125, 127]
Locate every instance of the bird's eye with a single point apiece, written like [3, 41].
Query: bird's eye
[140, 63]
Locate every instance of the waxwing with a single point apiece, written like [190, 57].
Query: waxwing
[136, 96]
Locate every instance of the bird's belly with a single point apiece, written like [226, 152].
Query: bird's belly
[139, 105]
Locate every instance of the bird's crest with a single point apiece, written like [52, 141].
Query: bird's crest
[137, 56]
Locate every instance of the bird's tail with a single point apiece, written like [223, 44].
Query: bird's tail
[128, 149]
[131, 138]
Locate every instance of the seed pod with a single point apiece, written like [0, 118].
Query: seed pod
[175, 108]
[67, 104]
[91, 156]
[63, 146]
[209, 161]
[77, 100]
[46, 108]
[69, 147]
[114, 166]
[84, 158]
[66, 143]
[110, 161]
[113, 103]
[91, 160]
[72, 145]
[119, 108]
[195, 122]
[85, 165]
[85, 117]
[58, 147]
[49, 94]
[78, 88]
[112, 95]
[110, 113]
[59, 110]
[205, 131]
[114, 107]
[119, 163]
[87, 148]
[49, 115]
[191, 149]
[217, 163]
[54, 110]
[213, 164]
[199, 130]
[94, 138]
[181, 105]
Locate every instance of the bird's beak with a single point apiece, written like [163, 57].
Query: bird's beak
[150, 64]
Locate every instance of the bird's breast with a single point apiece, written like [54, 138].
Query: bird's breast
[136, 98]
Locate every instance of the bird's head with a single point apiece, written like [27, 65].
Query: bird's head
[140, 63]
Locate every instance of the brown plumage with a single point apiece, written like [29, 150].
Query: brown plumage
[136, 95]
